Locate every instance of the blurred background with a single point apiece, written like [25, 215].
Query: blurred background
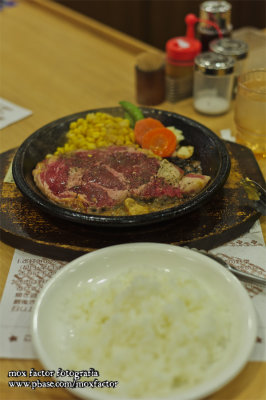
[155, 21]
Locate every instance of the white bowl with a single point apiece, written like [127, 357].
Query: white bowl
[105, 265]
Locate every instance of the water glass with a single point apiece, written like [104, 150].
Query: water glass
[250, 111]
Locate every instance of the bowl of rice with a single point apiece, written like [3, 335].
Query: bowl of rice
[143, 321]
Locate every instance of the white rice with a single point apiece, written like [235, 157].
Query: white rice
[155, 333]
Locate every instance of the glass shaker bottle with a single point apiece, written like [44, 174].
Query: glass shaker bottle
[150, 78]
[213, 83]
[234, 48]
[218, 12]
[180, 54]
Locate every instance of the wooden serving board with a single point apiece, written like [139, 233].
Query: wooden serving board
[225, 217]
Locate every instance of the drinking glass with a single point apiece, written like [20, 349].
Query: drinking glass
[250, 111]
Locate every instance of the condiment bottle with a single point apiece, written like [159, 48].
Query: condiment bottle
[180, 54]
[218, 12]
[150, 78]
[213, 82]
[234, 48]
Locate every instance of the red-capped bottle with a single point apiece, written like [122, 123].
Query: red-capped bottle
[211, 13]
[180, 54]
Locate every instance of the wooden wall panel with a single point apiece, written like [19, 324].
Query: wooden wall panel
[155, 21]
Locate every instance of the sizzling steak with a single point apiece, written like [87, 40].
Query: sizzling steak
[92, 180]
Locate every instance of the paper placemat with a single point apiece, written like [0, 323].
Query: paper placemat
[28, 274]
[248, 254]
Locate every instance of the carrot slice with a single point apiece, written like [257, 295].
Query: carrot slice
[161, 141]
[143, 126]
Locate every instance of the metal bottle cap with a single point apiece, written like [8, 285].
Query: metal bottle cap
[218, 12]
[230, 47]
[214, 64]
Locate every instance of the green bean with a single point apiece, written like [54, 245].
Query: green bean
[134, 111]
[131, 120]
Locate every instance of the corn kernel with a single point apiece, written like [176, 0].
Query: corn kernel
[97, 130]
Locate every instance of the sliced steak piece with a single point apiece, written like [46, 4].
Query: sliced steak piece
[78, 182]
[134, 165]
[94, 179]
[157, 187]
[55, 175]
[90, 180]
[97, 196]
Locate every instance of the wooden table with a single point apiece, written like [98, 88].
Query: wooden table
[56, 62]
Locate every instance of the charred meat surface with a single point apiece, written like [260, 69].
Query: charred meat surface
[102, 179]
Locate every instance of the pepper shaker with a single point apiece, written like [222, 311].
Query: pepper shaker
[237, 49]
[150, 78]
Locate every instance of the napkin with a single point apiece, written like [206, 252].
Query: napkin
[29, 273]
[11, 113]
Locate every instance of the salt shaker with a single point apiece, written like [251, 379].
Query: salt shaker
[234, 48]
[213, 83]
[218, 12]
